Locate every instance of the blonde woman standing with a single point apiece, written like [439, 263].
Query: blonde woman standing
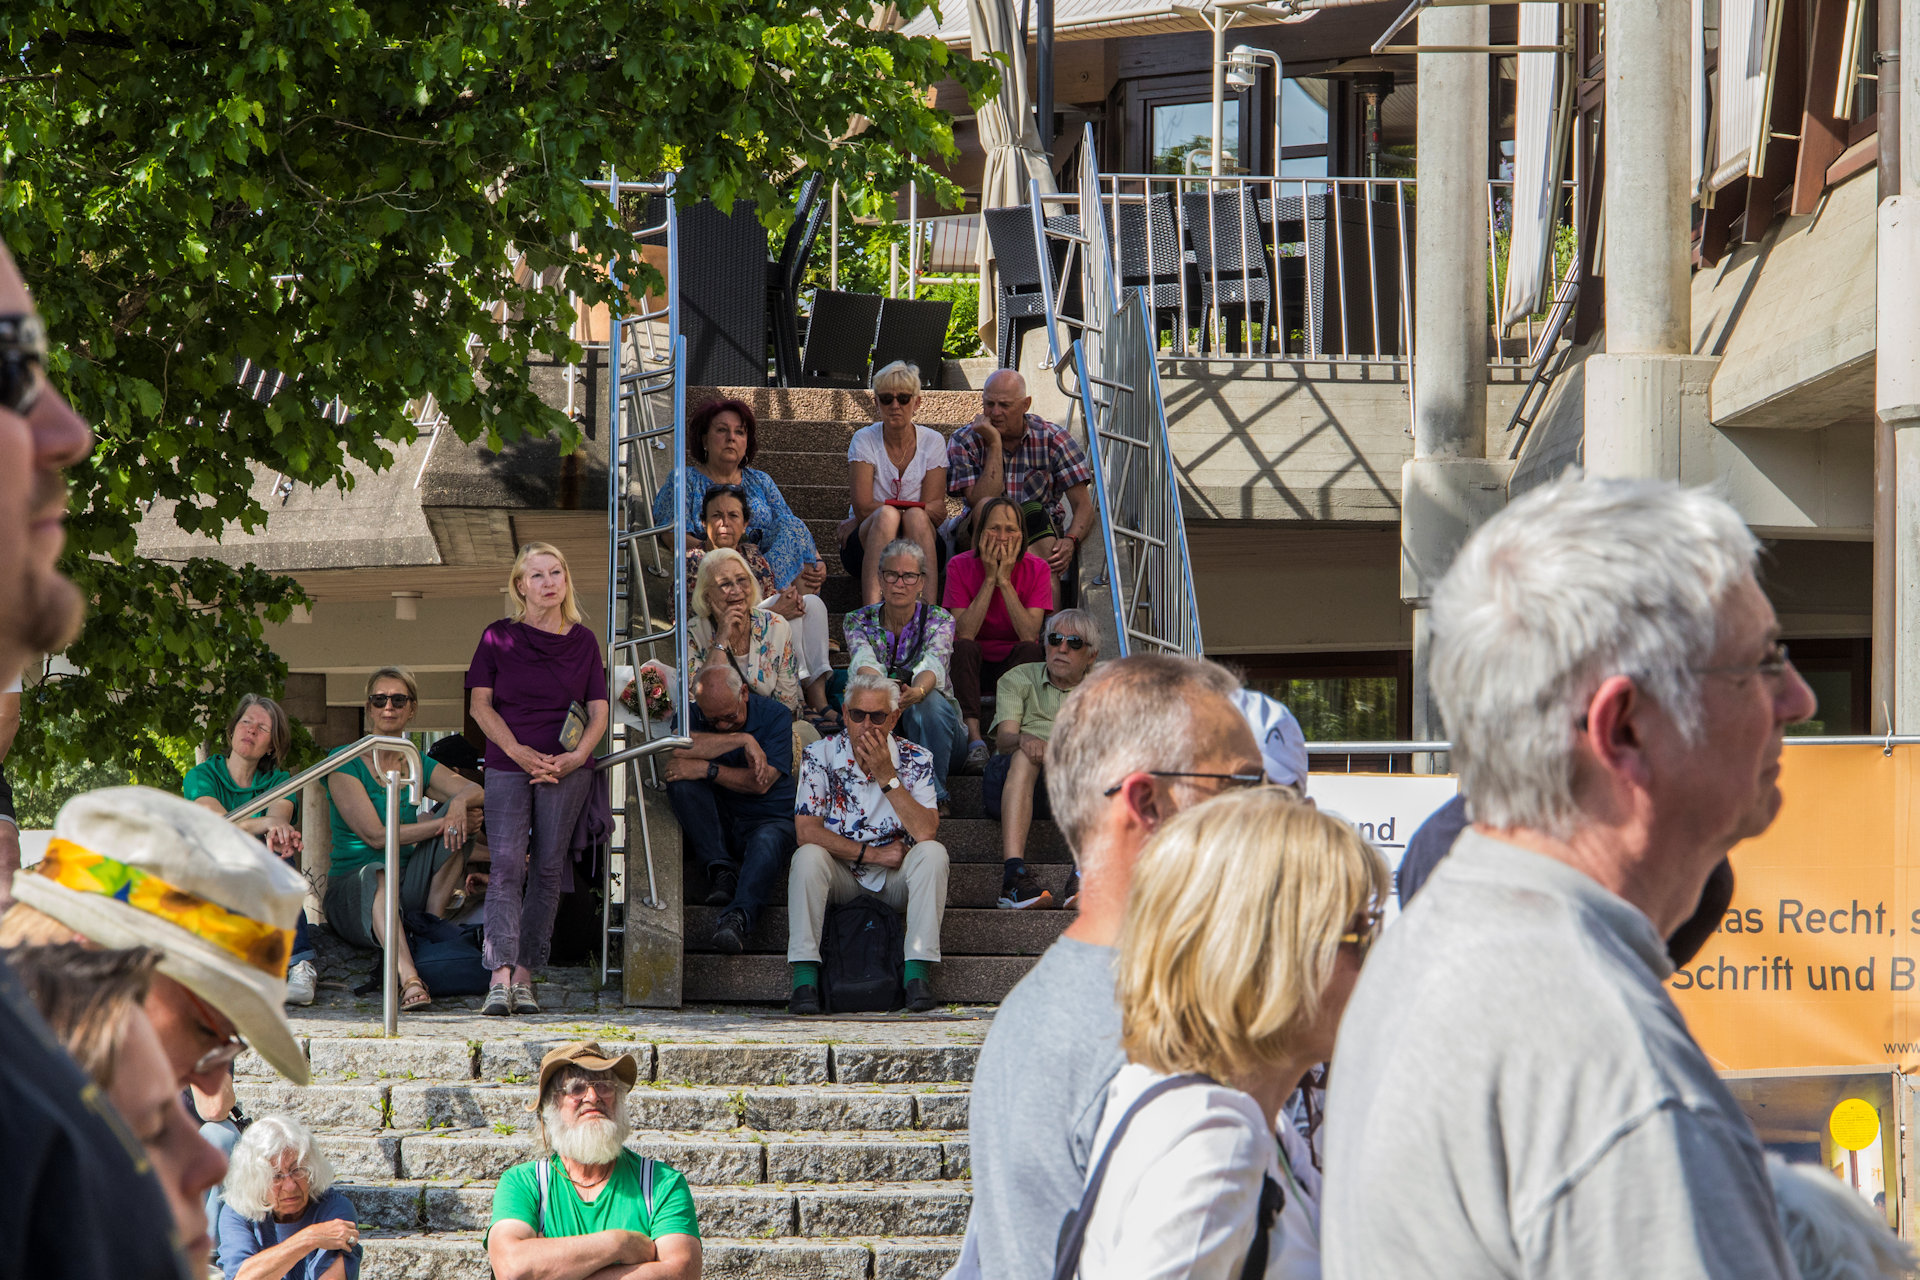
[1245, 930]
[528, 672]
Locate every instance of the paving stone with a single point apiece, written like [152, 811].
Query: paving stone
[664, 1107]
[429, 1105]
[782, 1260]
[393, 1206]
[913, 1259]
[956, 1159]
[251, 1064]
[518, 1060]
[791, 1109]
[941, 1110]
[704, 1162]
[934, 1210]
[458, 1157]
[852, 1160]
[425, 1257]
[360, 1155]
[316, 1106]
[417, 1058]
[459, 1208]
[739, 1212]
[752, 1064]
[903, 1064]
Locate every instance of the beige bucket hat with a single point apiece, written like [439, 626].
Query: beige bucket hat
[135, 867]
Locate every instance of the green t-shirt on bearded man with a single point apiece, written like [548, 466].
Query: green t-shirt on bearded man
[619, 1206]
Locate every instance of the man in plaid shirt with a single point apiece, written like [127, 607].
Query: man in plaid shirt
[1006, 449]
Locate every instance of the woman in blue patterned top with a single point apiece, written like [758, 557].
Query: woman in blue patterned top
[721, 441]
[911, 643]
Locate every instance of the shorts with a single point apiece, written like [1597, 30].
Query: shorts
[993, 784]
[349, 901]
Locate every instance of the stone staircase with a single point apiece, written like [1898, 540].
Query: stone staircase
[834, 1149]
[803, 437]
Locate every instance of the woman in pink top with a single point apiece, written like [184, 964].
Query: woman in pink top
[999, 595]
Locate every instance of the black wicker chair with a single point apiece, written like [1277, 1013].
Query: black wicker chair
[723, 295]
[840, 338]
[914, 330]
[1149, 255]
[1231, 257]
[784, 276]
[1019, 303]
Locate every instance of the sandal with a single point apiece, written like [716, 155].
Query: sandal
[414, 995]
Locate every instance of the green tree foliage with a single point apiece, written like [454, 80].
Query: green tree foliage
[338, 190]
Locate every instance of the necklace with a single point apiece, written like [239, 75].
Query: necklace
[588, 1186]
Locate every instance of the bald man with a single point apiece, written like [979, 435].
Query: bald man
[1008, 449]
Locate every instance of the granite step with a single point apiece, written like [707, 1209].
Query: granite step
[459, 1256]
[970, 885]
[827, 404]
[764, 978]
[965, 931]
[713, 1159]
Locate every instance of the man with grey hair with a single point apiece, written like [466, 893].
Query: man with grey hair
[1140, 739]
[1027, 700]
[866, 819]
[586, 1206]
[1006, 449]
[732, 791]
[1516, 1095]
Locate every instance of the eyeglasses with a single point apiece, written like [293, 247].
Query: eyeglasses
[1772, 665]
[895, 577]
[291, 1175]
[855, 715]
[579, 1087]
[399, 700]
[890, 399]
[23, 361]
[1228, 781]
[222, 1053]
[1075, 643]
[1365, 932]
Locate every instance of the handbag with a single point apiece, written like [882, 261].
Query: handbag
[574, 727]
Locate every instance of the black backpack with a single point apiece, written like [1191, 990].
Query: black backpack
[863, 957]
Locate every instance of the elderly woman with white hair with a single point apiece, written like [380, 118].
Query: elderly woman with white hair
[729, 628]
[899, 480]
[282, 1216]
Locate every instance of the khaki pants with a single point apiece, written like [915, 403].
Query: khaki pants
[917, 886]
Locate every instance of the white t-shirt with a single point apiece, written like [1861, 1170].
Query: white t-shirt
[890, 484]
[1182, 1192]
[1300, 1214]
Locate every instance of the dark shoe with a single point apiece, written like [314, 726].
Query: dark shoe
[499, 1004]
[944, 808]
[730, 932]
[1024, 893]
[804, 1002]
[919, 995]
[722, 883]
[1070, 900]
[978, 753]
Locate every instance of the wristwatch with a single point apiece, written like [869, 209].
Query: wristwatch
[713, 770]
[891, 784]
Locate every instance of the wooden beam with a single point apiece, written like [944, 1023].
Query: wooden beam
[1822, 137]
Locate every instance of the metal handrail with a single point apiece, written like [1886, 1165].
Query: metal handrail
[390, 959]
[1887, 741]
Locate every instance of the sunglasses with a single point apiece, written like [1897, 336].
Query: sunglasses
[578, 1088]
[890, 399]
[1365, 932]
[856, 716]
[23, 361]
[1228, 781]
[221, 1054]
[894, 577]
[1075, 643]
[382, 699]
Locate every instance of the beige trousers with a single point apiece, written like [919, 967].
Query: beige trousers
[917, 886]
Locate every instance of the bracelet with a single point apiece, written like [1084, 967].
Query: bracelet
[861, 861]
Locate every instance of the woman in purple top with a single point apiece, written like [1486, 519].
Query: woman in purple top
[527, 671]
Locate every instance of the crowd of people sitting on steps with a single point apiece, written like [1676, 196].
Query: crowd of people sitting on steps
[1224, 1067]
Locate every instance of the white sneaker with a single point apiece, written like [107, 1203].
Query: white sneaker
[301, 981]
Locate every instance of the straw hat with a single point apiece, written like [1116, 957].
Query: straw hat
[131, 866]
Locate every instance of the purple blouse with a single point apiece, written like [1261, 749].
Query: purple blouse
[534, 675]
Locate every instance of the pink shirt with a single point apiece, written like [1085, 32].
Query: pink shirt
[1032, 582]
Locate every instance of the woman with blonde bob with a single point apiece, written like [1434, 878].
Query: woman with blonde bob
[729, 627]
[1246, 925]
[281, 1216]
[539, 686]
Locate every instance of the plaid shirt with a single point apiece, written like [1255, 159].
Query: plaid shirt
[1041, 468]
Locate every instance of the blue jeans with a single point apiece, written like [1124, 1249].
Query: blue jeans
[935, 724]
[754, 848]
[302, 945]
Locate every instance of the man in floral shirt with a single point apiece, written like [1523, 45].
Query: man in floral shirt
[1006, 449]
[865, 818]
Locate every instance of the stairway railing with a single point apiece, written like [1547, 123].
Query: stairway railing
[1140, 573]
[646, 579]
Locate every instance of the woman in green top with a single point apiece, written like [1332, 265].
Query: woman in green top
[258, 740]
[430, 862]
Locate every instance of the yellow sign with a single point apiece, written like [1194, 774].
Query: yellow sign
[1855, 1124]
[1817, 962]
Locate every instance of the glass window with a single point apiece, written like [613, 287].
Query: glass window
[1180, 129]
[1303, 113]
[1339, 708]
[1833, 699]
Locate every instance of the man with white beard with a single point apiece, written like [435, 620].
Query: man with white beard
[585, 1206]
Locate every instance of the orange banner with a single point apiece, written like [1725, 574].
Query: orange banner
[1818, 960]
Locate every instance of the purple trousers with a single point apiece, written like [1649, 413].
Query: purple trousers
[528, 830]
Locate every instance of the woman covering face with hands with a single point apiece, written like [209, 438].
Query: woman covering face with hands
[999, 594]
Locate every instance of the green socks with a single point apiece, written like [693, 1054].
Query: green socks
[921, 969]
[806, 973]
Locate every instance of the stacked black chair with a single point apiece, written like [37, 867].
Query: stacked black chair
[914, 330]
[1149, 255]
[840, 338]
[723, 295]
[1020, 303]
[1231, 258]
[784, 276]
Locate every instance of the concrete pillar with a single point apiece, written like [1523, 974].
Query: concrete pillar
[1449, 487]
[1896, 403]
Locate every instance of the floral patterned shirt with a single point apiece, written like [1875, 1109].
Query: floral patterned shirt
[873, 646]
[835, 789]
[768, 666]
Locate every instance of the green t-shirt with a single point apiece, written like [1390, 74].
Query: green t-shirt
[350, 852]
[618, 1206]
[1026, 696]
[210, 778]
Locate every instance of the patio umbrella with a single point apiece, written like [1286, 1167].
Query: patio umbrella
[1009, 135]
